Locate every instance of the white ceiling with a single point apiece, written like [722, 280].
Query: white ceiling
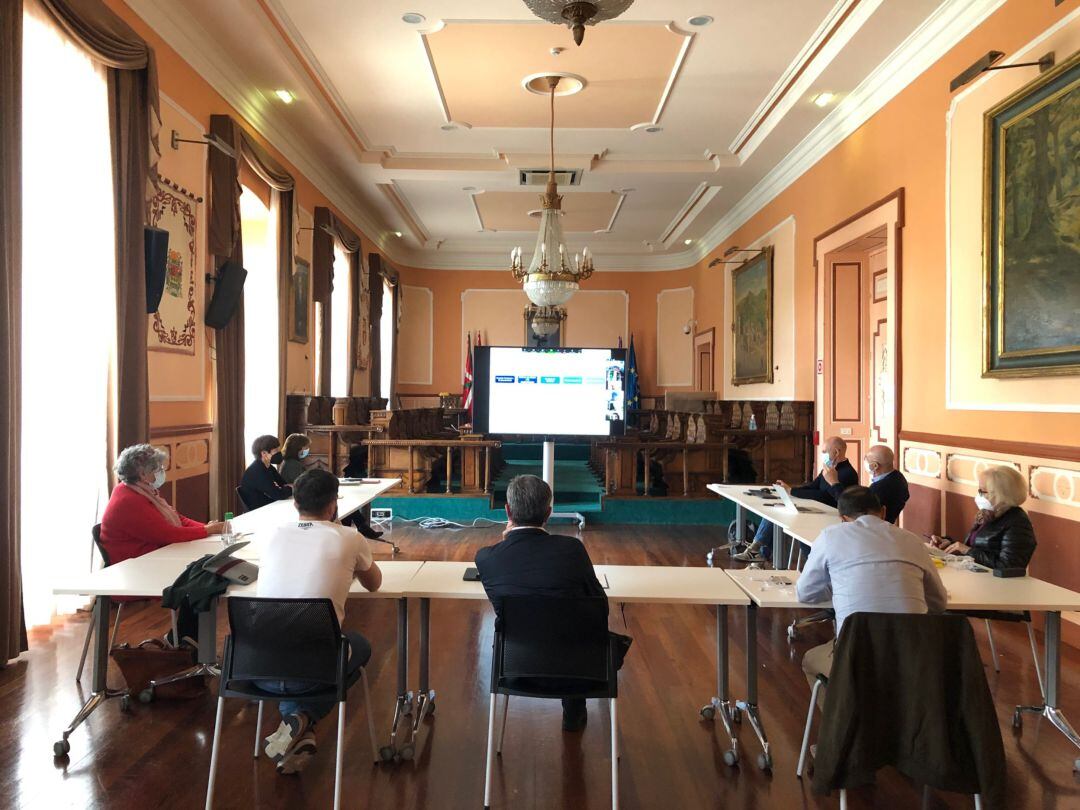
[737, 117]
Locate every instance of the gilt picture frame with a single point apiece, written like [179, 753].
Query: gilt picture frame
[1031, 218]
[751, 320]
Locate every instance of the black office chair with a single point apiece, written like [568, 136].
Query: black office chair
[106, 562]
[918, 706]
[553, 648]
[286, 640]
[244, 502]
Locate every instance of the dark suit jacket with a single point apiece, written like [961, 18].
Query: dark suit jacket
[531, 562]
[1007, 541]
[821, 490]
[892, 491]
[261, 485]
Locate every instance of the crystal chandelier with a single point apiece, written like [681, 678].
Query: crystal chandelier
[552, 276]
[544, 321]
[576, 15]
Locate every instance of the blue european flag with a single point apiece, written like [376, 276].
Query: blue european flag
[632, 400]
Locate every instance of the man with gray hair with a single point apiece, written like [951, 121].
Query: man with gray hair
[531, 562]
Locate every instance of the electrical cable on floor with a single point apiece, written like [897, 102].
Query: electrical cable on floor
[443, 523]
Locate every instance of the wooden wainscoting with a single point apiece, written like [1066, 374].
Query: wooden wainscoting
[187, 471]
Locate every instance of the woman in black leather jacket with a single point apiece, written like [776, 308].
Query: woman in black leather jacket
[1002, 536]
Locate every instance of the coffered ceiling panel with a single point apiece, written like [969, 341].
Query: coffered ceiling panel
[421, 128]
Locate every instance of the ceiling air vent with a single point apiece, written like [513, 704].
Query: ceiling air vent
[539, 177]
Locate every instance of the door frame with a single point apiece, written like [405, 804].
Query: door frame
[706, 337]
[888, 211]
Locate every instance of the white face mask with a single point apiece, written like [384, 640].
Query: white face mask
[983, 502]
[159, 479]
[826, 459]
[304, 452]
[866, 466]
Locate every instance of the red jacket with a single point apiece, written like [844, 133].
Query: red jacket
[132, 526]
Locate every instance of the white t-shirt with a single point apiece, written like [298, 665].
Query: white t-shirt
[313, 560]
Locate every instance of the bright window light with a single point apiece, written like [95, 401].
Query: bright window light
[68, 313]
[340, 368]
[258, 229]
[386, 342]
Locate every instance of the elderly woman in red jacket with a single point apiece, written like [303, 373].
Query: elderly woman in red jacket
[137, 519]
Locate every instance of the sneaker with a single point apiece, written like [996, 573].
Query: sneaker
[298, 754]
[292, 727]
[752, 554]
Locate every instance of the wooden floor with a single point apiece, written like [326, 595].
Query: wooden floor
[157, 756]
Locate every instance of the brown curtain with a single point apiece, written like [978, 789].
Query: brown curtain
[12, 626]
[375, 279]
[328, 228]
[135, 119]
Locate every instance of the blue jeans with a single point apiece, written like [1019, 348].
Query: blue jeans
[359, 655]
[763, 537]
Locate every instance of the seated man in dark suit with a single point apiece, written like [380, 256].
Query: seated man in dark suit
[261, 483]
[833, 461]
[531, 562]
[886, 482]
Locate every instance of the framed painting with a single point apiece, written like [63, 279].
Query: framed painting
[299, 297]
[1031, 229]
[172, 326]
[751, 320]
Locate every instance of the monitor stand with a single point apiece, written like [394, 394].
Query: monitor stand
[549, 479]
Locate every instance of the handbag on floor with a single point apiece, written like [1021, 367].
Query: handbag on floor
[152, 660]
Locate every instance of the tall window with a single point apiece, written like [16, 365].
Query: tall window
[340, 354]
[386, 342]
[68, 311]
[259, 232]
[318, 334]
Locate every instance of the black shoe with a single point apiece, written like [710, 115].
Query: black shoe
[369, 532]
[574, 715]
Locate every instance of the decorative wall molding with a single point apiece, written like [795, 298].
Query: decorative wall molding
[401, 204]
[694, 205]
[964, 469]
[1008, 448]
[416, 290]
[921, 461]
[1056, 485]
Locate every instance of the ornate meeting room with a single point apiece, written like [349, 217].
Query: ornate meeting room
[540, 404]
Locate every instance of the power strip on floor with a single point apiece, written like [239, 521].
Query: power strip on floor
[381, 513]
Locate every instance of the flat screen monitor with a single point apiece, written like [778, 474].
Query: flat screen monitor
[549, 392]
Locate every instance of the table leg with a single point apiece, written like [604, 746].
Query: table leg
[450, 467]
[425, 696]
[779, 548]
[750, 705]
[487, 469]
[1050, 708]
[101, 692]
[412, 470]
[206, 663]
[740, 523]
[403, 704]
[685, 475]
[648, 477]
[719, 704]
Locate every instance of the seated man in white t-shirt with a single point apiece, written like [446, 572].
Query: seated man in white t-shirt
[314, 558]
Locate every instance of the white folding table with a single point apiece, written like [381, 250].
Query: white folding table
[967, 590]
[625, 584]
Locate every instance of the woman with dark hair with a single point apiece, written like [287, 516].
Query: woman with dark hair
[296, 448]
[137, 519]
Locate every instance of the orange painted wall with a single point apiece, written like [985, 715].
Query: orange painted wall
[178, 80]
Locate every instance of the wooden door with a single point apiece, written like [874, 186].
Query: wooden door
[703, 360]
[846, 411]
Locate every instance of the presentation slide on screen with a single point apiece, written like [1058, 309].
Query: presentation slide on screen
[556, 392]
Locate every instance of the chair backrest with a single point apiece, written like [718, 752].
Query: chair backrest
[286, 639]
[243, 501]
[553, 637]
[96, 532]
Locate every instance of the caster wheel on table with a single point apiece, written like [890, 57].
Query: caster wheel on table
[125, 704]
[764, 762]
[146, 695]
[736, 715]
[407, 752]
[386, 753]
[408, 707]
[708, 712]
[61, 748]
[731, 758]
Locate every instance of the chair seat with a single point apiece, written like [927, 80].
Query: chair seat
[547, 687]
[252, 690]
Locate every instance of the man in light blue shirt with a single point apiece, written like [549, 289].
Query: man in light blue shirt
[866, 565]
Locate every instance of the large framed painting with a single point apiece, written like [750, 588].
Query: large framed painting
[172, 327]
[299, 298]
[751, 320]
[1031, 229]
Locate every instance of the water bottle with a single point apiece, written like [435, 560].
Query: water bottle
[753, 422]
[227, 536]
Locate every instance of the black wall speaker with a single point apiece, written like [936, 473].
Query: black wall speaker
[156, 248]
[227, 291]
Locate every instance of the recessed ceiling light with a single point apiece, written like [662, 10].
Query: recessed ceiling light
[397, 234]
[654, 129]
[688, 241]
[823, 99]
[700, 20]
[285, 96]
[412, 18]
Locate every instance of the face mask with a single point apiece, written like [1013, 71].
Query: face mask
[826, 460]
[304, 452]
[159, 479]
[983, 502]
[866, 466]
[276, 458]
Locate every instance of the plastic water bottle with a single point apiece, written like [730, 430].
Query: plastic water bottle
[227, 536]
[753, 422]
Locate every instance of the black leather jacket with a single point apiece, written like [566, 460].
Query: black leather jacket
[1007, 541]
